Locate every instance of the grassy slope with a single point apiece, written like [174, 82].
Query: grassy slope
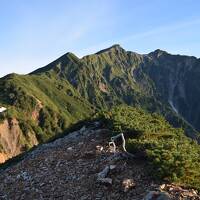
[124, 77]
[61, 104]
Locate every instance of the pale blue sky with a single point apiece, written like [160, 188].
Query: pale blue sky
[35, 32]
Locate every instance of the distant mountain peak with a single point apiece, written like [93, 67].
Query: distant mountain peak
[157, 53]
[115, 47]
[64, 59]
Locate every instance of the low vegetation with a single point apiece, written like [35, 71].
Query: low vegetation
[171, 155]
[43, 106]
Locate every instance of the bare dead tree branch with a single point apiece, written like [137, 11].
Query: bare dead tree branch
[114, 138]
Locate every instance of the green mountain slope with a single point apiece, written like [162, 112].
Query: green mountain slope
[45, 102]
[158, 82]
[41, 107]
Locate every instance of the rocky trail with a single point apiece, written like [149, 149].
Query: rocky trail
[82, 166]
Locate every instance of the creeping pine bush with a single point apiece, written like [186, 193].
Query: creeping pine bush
[170, 153]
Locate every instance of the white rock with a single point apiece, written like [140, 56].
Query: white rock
[162, 187]
[69, 148]
[2, 109]
[112, 167]
[99, 148]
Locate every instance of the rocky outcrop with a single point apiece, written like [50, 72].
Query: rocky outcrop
[36, 112]
[176, 80]
[12, 139]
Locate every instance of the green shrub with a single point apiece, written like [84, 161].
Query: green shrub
[2, 117]
[170, 153]
[25, 127]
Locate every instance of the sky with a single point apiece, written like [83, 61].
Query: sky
[33, 33]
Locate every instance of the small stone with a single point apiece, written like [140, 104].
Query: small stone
[18, 176]
[42, 184]
[83, 129]
[194, 192]
[97, 124]
[105, 180]
[112, 167]
[24, 175]
[85, 197]
[69, 148]
[162, 187]
[99, 148]
[128, 184]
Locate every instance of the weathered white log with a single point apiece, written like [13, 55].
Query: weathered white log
[123, 144]
[123, 141]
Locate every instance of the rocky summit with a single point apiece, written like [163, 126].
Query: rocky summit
[83, 166]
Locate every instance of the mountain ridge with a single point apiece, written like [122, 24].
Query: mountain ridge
[115, 47]
[71, 89]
